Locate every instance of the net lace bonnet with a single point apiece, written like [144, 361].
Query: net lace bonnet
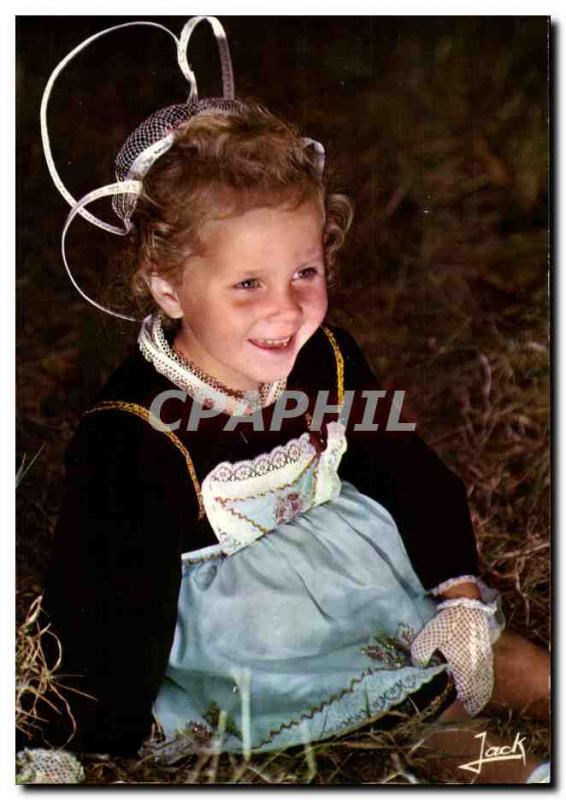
[148, 142]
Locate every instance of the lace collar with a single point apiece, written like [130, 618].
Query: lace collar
[194, 381]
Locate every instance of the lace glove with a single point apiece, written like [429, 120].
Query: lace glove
[48, 766]
[460, 630]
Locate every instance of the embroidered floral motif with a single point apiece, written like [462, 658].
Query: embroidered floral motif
[200, 736]
[388, 651]
[394, 651]
[288, 506]
[212, 716]
[405, 634]
[247, 499]
[193, 737]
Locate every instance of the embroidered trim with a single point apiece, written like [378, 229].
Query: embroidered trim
[237, 394]
[207, 553]
[407, 708]
[289, 453]
[338, 696]
[339, 363]
[143, 413]
[261, 528]
[442, 587]
[224, 501]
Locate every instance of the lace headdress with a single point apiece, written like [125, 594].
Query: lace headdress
[148, 142]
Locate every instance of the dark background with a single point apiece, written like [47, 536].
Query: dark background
[437, 128]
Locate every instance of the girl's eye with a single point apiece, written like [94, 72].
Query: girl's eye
[248, 283]
[307, 272]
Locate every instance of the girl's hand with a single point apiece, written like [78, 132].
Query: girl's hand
[460, 631]
[467, 589]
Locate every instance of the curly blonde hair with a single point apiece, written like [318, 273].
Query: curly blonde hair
[225, 162]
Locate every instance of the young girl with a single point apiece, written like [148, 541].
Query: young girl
[242, 556]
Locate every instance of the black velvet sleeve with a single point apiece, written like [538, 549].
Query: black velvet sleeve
[112, 590]
[427, 500]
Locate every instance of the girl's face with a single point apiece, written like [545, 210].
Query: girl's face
[255, 296]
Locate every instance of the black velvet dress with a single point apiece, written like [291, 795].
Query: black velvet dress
[132, 506]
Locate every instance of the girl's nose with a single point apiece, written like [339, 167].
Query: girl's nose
[284, 304]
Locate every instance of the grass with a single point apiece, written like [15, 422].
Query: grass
[37, 682]
[440, 135]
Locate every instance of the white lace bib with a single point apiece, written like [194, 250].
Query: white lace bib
[247, 499]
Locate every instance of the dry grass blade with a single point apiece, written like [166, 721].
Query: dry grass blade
[23, 469]
[37, 680]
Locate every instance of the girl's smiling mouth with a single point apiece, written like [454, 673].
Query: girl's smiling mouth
[279, 344]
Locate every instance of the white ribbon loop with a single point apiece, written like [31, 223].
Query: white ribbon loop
[123, 187]
[43, 120]
[223, 53]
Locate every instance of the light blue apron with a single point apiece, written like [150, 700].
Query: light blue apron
[300, 635]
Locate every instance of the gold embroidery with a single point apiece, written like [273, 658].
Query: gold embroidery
[339, 363]
[189, 558]
[402, 727]
[143, 413]
[314, 484]
[243, 517]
